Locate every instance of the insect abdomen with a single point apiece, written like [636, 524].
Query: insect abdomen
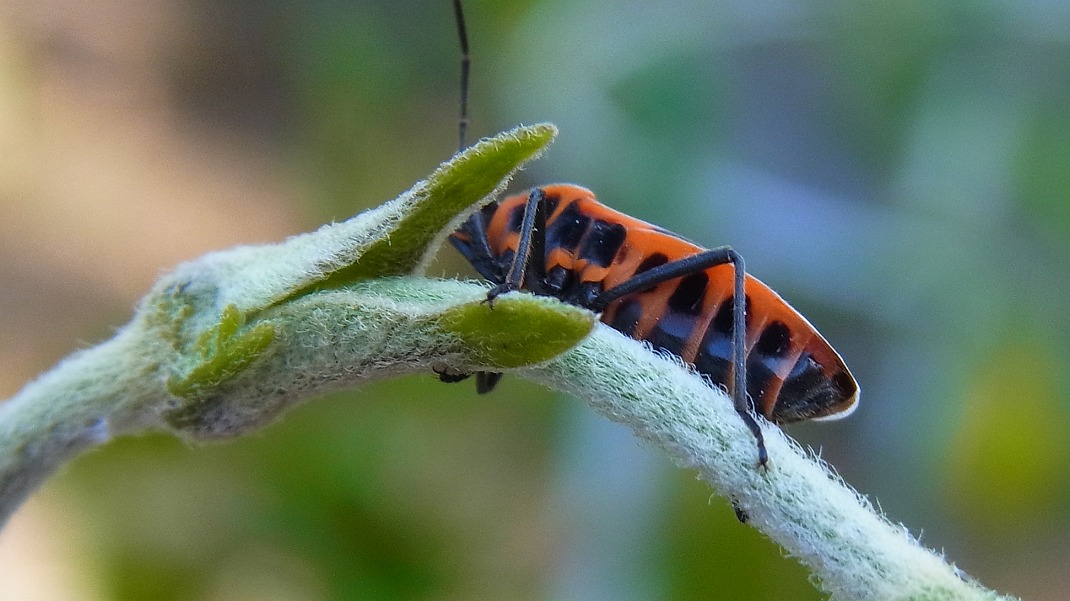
[792, 372]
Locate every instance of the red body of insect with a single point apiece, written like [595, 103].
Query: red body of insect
[585, 248]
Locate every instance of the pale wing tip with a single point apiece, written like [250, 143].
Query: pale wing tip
[848, 408]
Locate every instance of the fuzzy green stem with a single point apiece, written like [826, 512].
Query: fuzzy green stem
[854, 552]
[225, 344]
[87, 399]
[391, 327]
[324, 341]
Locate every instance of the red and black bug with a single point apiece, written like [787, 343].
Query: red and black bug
[652, 285]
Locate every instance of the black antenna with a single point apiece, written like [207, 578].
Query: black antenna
[466, 62]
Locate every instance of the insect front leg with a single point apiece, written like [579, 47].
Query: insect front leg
[514, 278]
[531, 242]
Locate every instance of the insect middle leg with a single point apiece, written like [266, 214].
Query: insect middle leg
[686, 266]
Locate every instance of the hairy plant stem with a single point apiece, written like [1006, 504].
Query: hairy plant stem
[225, 344]
[87, 399]
[853, 552]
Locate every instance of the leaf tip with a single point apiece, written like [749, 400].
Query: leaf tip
[518, 330]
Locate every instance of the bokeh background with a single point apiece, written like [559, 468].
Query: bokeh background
[899, 170]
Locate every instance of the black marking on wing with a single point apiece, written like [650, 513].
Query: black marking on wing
[652, 261]
[602, 242]
[672, 332]
[808, 393]
[516, 218]
[687, 298]
[627, 318]
[567, 229]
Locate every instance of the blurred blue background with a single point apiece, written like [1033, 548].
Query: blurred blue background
[898, 171]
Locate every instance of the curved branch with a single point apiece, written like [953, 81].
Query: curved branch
[853, 551]
[226, 343]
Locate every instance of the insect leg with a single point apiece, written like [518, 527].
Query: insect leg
[532, 243]
[487, 380]
[514, 278]
[670, 271]
[686, 266]
[741, 515]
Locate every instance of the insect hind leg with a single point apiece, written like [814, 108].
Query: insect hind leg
[686, 266]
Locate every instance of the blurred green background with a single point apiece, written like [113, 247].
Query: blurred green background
[897, 170]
